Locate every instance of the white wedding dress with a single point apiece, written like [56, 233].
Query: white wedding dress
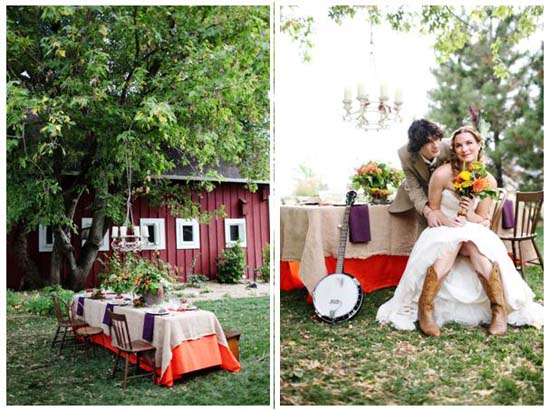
[461, 298]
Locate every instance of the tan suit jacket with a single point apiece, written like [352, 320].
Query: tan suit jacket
[413, 192]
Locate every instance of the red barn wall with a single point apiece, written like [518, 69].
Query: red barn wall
[212, 235]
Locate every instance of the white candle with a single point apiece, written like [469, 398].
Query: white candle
[144, 232]
[362, 90]
[136, 231]
[123, 231]
[115, 231]
[347, 93]
[398, 95]
[384, 91]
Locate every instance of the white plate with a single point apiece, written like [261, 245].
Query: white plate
[157, 312]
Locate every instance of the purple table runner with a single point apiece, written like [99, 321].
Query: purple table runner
[106, 318]
[508, 220]
[148, 327]
[359, 224]
[80, 306]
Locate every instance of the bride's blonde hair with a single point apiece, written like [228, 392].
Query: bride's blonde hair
[455, 164]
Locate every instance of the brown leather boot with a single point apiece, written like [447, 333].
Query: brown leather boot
[425, 304]
[495, 292]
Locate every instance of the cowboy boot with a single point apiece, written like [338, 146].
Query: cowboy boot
[495, 293]
[425, 303]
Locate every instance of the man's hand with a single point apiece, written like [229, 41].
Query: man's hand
[434, 218]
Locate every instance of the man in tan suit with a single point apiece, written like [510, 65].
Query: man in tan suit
[419, 158]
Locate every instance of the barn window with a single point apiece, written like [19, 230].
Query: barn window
[154, 229]
[45, 238]
[235, 230]
[187, 234]
[86, 224]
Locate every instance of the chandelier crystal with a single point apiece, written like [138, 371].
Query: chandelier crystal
[374, 112]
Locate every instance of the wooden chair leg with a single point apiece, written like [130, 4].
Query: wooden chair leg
[522, 260]
[125, 371]
[63, 340]
[55, 337]
[538, 253]
[116, 363]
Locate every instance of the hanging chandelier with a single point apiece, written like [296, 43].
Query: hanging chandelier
[374, 111]
[128, 237]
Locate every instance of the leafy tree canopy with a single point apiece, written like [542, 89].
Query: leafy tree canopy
[452, 26]
[96, 91]
[92, 88]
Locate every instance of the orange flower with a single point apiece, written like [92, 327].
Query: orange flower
[480, 184]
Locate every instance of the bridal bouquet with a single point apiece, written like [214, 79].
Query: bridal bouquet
[474, 183]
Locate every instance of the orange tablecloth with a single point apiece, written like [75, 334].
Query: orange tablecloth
[373, 273]
[189, 356]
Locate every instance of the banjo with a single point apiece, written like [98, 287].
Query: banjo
[338, 297]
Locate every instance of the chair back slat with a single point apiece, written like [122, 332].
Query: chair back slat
[528, 208]
[497, 210]
[121, 331]
[58, 310]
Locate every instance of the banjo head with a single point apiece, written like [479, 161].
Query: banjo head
[337, 298]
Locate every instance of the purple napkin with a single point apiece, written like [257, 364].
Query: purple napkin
[80, 306]
[106, 318]
[359, 224]
[508, 220]
[148, 327]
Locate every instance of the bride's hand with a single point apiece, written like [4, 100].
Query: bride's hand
[467, 204]
[446, 221]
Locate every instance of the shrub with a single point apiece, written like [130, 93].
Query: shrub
[14, 302]
[41, 303]
[196, 280]
[264, 270]
[231, 264]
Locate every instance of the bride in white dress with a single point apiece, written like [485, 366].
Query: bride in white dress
[460, 271]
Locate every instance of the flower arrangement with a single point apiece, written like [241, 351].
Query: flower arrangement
[129, 272]
[473, 183]
[119, 275]
[378, 180]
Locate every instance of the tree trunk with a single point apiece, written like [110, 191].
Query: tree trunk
[498, 161]
[31, 278]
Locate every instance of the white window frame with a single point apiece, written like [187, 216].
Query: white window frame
[87, 223]
[43, 246]
[160, 233]
[241, 222]
[187, 245]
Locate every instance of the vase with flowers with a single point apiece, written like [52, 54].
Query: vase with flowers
[152, 279]
[377, 180]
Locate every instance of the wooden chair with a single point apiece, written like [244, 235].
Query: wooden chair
[84, 333]
[66, 322]
[527, 215]
[496, 220]
[233, 337]
[124, 344]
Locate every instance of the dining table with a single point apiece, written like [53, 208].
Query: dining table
[186, 340]
[309, 245]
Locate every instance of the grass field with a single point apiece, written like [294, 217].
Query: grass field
[363, 363]
[38, 376]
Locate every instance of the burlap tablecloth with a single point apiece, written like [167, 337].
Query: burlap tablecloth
[169, 330]
[311, 233]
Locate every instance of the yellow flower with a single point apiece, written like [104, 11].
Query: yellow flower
[465, 175]
[457, 185]
[476, 165]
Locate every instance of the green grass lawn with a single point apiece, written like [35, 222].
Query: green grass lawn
[363, 363]
[38, 376]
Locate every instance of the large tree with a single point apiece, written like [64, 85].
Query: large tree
[508, 104]
[96, 91]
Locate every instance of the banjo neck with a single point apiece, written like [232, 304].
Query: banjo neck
[344, 233]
